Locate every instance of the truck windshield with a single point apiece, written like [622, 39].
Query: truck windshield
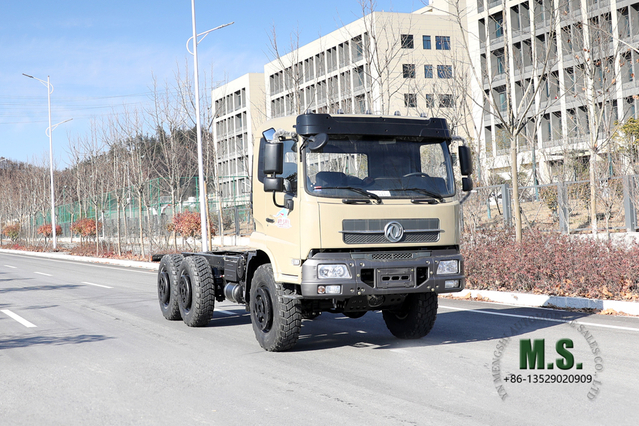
[387, 168]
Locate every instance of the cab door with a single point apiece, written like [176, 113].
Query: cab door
[277, 215]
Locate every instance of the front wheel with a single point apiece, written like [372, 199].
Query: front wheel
[196, 291]
[276, 314]
[414, 318]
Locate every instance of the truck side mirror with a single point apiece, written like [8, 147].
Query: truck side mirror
[465, 161]
[273, 184]
[273, 158]
[467, 184]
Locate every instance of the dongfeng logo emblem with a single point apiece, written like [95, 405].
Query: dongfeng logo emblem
[393, 231]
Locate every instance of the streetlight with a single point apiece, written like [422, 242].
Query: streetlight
[48, 133]
[200, 162]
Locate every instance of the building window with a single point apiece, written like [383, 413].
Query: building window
[444, 71]
[430, 100]
[500, 65]
[503, 104]
[407, 41]
[499, 26]
[426, 40]
[358, 74]
[442, 42]
[408, 70]
[410, 100]
[428, 71]
[446, 101]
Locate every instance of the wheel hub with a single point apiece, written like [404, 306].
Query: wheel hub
[185, 291]
[262, 309]
[164, 287]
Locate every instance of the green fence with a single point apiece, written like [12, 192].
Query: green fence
[149, 211]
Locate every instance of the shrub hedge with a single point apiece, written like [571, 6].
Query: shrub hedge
[553, 264]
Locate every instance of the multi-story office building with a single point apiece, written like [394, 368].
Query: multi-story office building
[238, 111]
[383, 63]
[580, 55]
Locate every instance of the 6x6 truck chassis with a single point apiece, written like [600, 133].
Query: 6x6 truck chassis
[352, 214]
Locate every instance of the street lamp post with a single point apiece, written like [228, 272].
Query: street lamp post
[49, 132]
[200, 162]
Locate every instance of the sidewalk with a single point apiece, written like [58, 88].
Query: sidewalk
[517, 299]
[69, 257]
[541, 300]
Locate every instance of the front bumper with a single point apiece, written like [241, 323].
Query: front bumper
[382, 273]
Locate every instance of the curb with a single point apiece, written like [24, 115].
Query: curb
[540, 300]
[86, 259]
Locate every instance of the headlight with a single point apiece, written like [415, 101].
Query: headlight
[333, 271]
[448, 267]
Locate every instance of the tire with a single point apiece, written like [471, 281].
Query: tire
[354, 315]
[414, 318]
[195, 291]
[276, 318]
[167, 286]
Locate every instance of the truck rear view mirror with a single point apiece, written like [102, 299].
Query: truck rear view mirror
[467, 184]
[273, 184]
[465, 161]
[273, 158]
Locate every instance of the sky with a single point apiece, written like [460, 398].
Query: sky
[103, 55]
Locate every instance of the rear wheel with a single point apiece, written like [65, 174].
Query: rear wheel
[196, 291]
[275, 315]
[167, 286]
[414, 318]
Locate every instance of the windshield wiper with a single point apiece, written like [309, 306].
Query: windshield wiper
[354, 189]
[425, 192]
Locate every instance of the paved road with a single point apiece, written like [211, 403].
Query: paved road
[86, 344]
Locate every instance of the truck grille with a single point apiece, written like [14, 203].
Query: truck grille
[391, 256]
[371, 231]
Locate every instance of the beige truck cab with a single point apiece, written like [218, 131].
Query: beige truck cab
[352, 214]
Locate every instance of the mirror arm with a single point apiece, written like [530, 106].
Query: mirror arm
[288, 203]
[465, 198]
[275, 202]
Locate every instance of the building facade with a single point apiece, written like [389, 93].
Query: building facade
[574, 59]
[238, 114]
[383, 63]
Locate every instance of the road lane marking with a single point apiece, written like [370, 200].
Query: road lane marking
[42, 273]
[18, 318]
[479, 311]
[97, 285]
[12, 267]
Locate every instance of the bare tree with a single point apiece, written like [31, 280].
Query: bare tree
[175, 145]
[603, 60]
[134, 169]
[383, 46]
[291, 77]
